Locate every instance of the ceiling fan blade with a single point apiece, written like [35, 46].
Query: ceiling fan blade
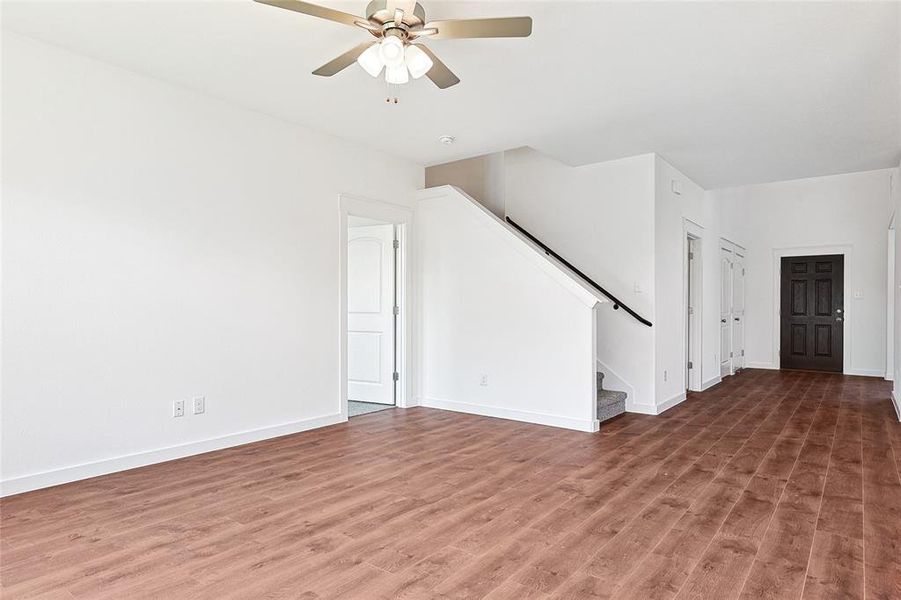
[439, 73]
[314, 10]
[342, 62]
[415, 33]
[481, 28]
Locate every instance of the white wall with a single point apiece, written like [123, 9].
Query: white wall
[674, 212]
[481, 177]
[490, 305]
[840, 210]
[157, 245]
[600, 218]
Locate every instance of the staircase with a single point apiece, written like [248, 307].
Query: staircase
[610, 403]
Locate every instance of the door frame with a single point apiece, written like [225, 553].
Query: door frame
[402, 217]
[739, 261]
[778, 255]
[890, 302]
[692, 338]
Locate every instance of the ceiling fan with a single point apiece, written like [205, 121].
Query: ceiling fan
[398, 26]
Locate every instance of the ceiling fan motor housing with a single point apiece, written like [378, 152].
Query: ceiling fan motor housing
[382, 12]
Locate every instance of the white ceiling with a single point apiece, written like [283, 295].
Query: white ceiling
[729, 92]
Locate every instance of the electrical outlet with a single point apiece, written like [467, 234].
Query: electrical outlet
[483, 381]
[178, 408]
[199, 405]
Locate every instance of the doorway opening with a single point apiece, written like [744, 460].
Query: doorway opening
[373, 309]
[812, 313]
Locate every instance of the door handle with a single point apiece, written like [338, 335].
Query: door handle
[737, 319]
[839, 319]
[722, 320]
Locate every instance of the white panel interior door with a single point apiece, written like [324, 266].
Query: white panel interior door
[726, 314]
[370, 313]
[738, 313]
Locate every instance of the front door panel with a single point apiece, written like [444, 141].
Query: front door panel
[812, 313]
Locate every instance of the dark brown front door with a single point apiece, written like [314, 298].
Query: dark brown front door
[813, 312]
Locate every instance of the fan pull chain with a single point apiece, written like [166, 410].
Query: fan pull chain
[388, 98]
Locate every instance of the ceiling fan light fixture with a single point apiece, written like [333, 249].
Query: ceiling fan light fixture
[371, 61]
[391, 51]
[397, 75]
[417, 61]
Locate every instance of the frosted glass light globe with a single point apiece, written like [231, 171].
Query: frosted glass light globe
[371, 61]
[391, 51]
[417, 61]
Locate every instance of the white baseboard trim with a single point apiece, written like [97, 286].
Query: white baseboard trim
[896, 400]
[27, 483]
[762, 365]
[711, 382]
[512, 414]
[865, 372]
[668, 404]
[655, 409]
[641, 409]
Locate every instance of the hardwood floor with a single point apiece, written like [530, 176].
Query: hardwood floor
[771, 485]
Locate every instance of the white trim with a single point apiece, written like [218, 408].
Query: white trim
[641, 409]
[712, 382]
[846, 251]
[890, 305]
[866, 372]
[896, 401]
[44, 479]
[552, 268]
[402, 216]
[655, 409]
[668, 404]
[693, 349]
[485, 410]
[762, 365]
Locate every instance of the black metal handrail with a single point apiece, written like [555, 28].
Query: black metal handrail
[617, 303]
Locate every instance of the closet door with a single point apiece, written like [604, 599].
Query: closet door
[726, 313]
[738, 313]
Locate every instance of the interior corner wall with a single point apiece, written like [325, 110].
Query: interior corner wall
[599, 217]
[481, 177]
[159, 244]
[838, 210]
[678, 199]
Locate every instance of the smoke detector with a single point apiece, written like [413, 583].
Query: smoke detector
[447, 140]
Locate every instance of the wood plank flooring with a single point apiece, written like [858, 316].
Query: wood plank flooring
[770, 485]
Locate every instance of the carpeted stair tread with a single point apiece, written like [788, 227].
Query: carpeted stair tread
[609, 403]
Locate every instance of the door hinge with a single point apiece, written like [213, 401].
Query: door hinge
[396, 376]
[730, 355]
[742, 352]
[691, 310]
[691, 365]
[742, 271]
[691, 256]
[396, 310]
[396, 244]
